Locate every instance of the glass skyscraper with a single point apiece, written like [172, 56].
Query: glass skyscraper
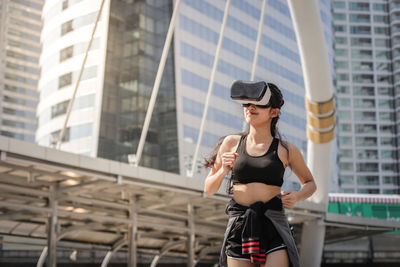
[136, 37]
[115, 90]
[20, 26]
[368, 94]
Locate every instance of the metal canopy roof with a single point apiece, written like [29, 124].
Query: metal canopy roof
[103, 202]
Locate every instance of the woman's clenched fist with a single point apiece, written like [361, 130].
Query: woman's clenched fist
[228, 160]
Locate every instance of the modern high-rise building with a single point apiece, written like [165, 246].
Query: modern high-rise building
[368, 94]
[111, 103]
[20, 26]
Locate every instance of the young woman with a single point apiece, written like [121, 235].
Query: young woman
[257, 230]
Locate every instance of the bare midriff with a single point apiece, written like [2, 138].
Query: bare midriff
[247, 194]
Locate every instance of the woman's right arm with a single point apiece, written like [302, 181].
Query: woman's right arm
[222, 165]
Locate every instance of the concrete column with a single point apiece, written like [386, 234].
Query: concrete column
[132, 234]
[312, 243]
[370, 257]
[51, 231]
[191, 236]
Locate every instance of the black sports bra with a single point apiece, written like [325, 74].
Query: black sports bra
[267, 169]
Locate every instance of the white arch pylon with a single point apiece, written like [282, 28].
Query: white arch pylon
[319, 99]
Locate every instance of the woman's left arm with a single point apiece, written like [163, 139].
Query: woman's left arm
[299, 167]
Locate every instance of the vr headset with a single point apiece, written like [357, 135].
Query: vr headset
[246, 93]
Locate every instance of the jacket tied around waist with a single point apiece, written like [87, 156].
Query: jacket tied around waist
[255, 230]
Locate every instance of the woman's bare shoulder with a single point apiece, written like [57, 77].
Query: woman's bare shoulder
[293, 151]
[286, 145]
[231, 141]
[292, 147]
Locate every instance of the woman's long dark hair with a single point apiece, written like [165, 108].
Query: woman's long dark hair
[276, 101]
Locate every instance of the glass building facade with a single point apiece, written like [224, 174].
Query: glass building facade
[20, 26]
[366, 83]
[67, 28]
[136, 36]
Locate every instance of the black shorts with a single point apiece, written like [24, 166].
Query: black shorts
[273, 242]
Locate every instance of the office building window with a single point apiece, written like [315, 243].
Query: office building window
[364, 103]
[367, 154]
[361, 54]
[59, 109]
[382, 54]
[366, 141]
[341, 65]
[339, 4]
[65, 80]
[395, 41]
[362, 66]
[66, 27]
[340, 40]
[360, 29]
[341, 52]
[345, 153]
[387, 129]
[368, 191]
[363, 91]
[382, 30]
[343, 102]
[386, 104]
[365, 18]
[347, 190]
[381, 19]
[365, 128]
[387, 116]
[390, 191]
[380, 7]
[388, 141]
[345, 140]
[64, 4]
[367, 167]
[345, 127]
[395, 180]
[363, 78]
[383, 43]
[340, 28]
[342, 77]
[359, 6]
[383, 66]
[385, 91]
[346, 179]
[368, 180]
[343, 89]
[389, 154]
[66, 53]
[346, 166]
[390, 167]
[365, 42]
[345, 115]
[339, 16]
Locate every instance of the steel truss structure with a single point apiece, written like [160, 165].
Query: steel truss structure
[58, 196]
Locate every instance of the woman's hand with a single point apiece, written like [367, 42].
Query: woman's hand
[224, 161]
[289, 199]
[300, 169]
[228, 160]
